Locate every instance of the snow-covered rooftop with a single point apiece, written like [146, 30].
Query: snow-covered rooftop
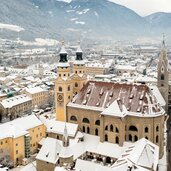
[34, 90]
[55, 126]
[19, 127]
[16, 100]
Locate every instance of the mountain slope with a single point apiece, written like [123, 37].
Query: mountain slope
[160, 23]
[160, 19]
[77, 19]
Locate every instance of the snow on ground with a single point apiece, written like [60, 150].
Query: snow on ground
[29, 167]
[50, 13]
[96, 14]
[40, 42]
[70, 11]
[72, 29]
[65, 0]
[83, 11]
[11, 27]
[73, 19]
[80, 22]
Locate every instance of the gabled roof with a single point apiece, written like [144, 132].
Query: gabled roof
[115, 110]
[19, 127]
[16, 100]
[49, 151]
[118, 99]
[143, 153]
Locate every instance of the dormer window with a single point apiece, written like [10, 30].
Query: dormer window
[162, 76]
[101, 92]
[131, 96]
[89, 91]
[111, 94]
[84, 102]
[98, 104]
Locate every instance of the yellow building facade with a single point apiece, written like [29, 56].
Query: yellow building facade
[19, 142]
[39, 96]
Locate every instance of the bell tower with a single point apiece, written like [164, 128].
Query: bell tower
[79, 78]
[163, 74]
[63, 85]
[65, 138]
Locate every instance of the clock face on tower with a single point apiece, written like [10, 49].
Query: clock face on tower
[60, 97]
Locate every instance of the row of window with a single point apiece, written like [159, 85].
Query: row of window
[111, 127]
[64, 75]
[79, 72]
[3, 143]
[116, 139]
[85, 120]
[69, 88]
[134, 138]
[69, 74]
[146, 129]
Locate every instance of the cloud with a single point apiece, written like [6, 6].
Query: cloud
[146, 7]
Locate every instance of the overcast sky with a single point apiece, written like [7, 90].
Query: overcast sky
[146, 7]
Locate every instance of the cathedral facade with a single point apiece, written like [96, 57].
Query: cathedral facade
[116, 112]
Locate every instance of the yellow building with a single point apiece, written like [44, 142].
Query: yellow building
[19, 138]
[68, 84]
[15, 106]
[39, 96]
[119, 112]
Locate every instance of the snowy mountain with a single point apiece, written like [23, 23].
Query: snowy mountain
[160, 23]
[160, 19]
[76, 19]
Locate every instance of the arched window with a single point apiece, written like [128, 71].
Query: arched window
[69, 88]
[162, 76]
[60, 88]
[69, 97]
[88, 130]
[157, 128]
[117, 140]
[97, 122]
[146, 129]
[96, 132]
[157, 139]
[73, 118]
[76, 84]
[135, 138]
[59, 75]
[111, 128]
[133, 128]
[106, 137]
[85, 120]
[117, 130]
[130, 137]
[83, 128]
[106, 128]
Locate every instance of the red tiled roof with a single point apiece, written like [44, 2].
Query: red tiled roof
[136, 98]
